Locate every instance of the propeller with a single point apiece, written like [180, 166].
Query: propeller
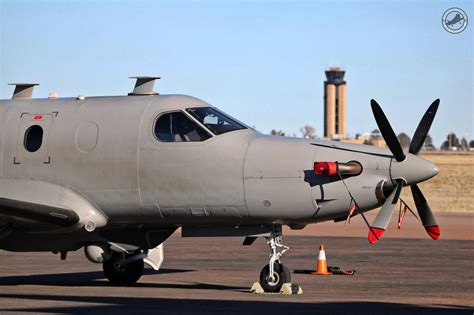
[387, 132]
[385, 214]
[423, 127]
[426, 215]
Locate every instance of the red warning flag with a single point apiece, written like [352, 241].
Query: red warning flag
[351, 212]
[401, 216]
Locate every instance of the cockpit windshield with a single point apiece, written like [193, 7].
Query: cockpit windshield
[214, 120]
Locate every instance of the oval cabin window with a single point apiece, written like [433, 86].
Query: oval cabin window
[33, 138]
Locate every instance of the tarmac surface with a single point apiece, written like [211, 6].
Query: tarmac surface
[213, 275]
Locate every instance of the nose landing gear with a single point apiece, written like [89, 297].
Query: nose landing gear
[275, 274]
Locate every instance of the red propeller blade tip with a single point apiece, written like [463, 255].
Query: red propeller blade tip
[375, 234]
[433, 231]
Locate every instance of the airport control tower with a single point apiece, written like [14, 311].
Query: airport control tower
[335, 104]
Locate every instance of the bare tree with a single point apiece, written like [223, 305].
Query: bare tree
[404, 140]
[428, 144]
[452, 141]
[277, 133]
[308, 132]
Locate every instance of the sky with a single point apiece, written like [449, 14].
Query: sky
[260, 61]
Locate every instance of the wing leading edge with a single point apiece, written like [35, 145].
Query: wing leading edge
[38, 212]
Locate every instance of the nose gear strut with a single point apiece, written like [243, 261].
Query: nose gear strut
[275, 274]
[274, 241]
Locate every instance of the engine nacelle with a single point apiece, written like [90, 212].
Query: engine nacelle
[97, 253]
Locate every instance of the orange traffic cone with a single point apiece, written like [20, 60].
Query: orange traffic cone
[322, 265]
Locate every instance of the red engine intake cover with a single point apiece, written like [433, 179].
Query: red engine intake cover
[325, 168]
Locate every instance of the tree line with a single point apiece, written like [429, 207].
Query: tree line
[452, 142]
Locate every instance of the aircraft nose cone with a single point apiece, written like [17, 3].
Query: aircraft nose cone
[426, 171]
[413, 169]
[434, 170]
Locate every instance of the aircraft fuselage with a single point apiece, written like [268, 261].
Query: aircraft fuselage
[105, 151]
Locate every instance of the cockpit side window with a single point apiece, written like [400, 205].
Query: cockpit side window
[177, 127]
[214, 120]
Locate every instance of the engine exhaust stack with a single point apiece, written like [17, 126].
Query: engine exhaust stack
[23, 90]
[352, 168]
[144, 85]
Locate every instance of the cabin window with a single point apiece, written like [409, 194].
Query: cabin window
[215, 120]
[33, 138]
[177, 127]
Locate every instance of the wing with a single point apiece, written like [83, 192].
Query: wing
[38, 212]
[29, 201]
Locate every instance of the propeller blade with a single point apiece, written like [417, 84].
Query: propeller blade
[423, 128]
[425, 213]
[385, 214]
[387, 131]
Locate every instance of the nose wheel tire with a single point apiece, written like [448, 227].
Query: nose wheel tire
[281, 275]
[123, 274]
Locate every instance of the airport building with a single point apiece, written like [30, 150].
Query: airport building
[335, 111]
[335, 104]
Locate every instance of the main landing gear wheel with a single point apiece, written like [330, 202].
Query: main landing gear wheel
[281, 275]
[123, 269]
[274, 275]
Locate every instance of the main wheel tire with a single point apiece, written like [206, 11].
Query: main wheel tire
[123, 275]
[281, 274]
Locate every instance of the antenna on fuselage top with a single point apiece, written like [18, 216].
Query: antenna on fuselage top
[144, 85]
[23, 90]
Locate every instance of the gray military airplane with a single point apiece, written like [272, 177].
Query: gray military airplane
[118, 175]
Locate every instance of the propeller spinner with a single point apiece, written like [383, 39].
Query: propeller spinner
[406, 170]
